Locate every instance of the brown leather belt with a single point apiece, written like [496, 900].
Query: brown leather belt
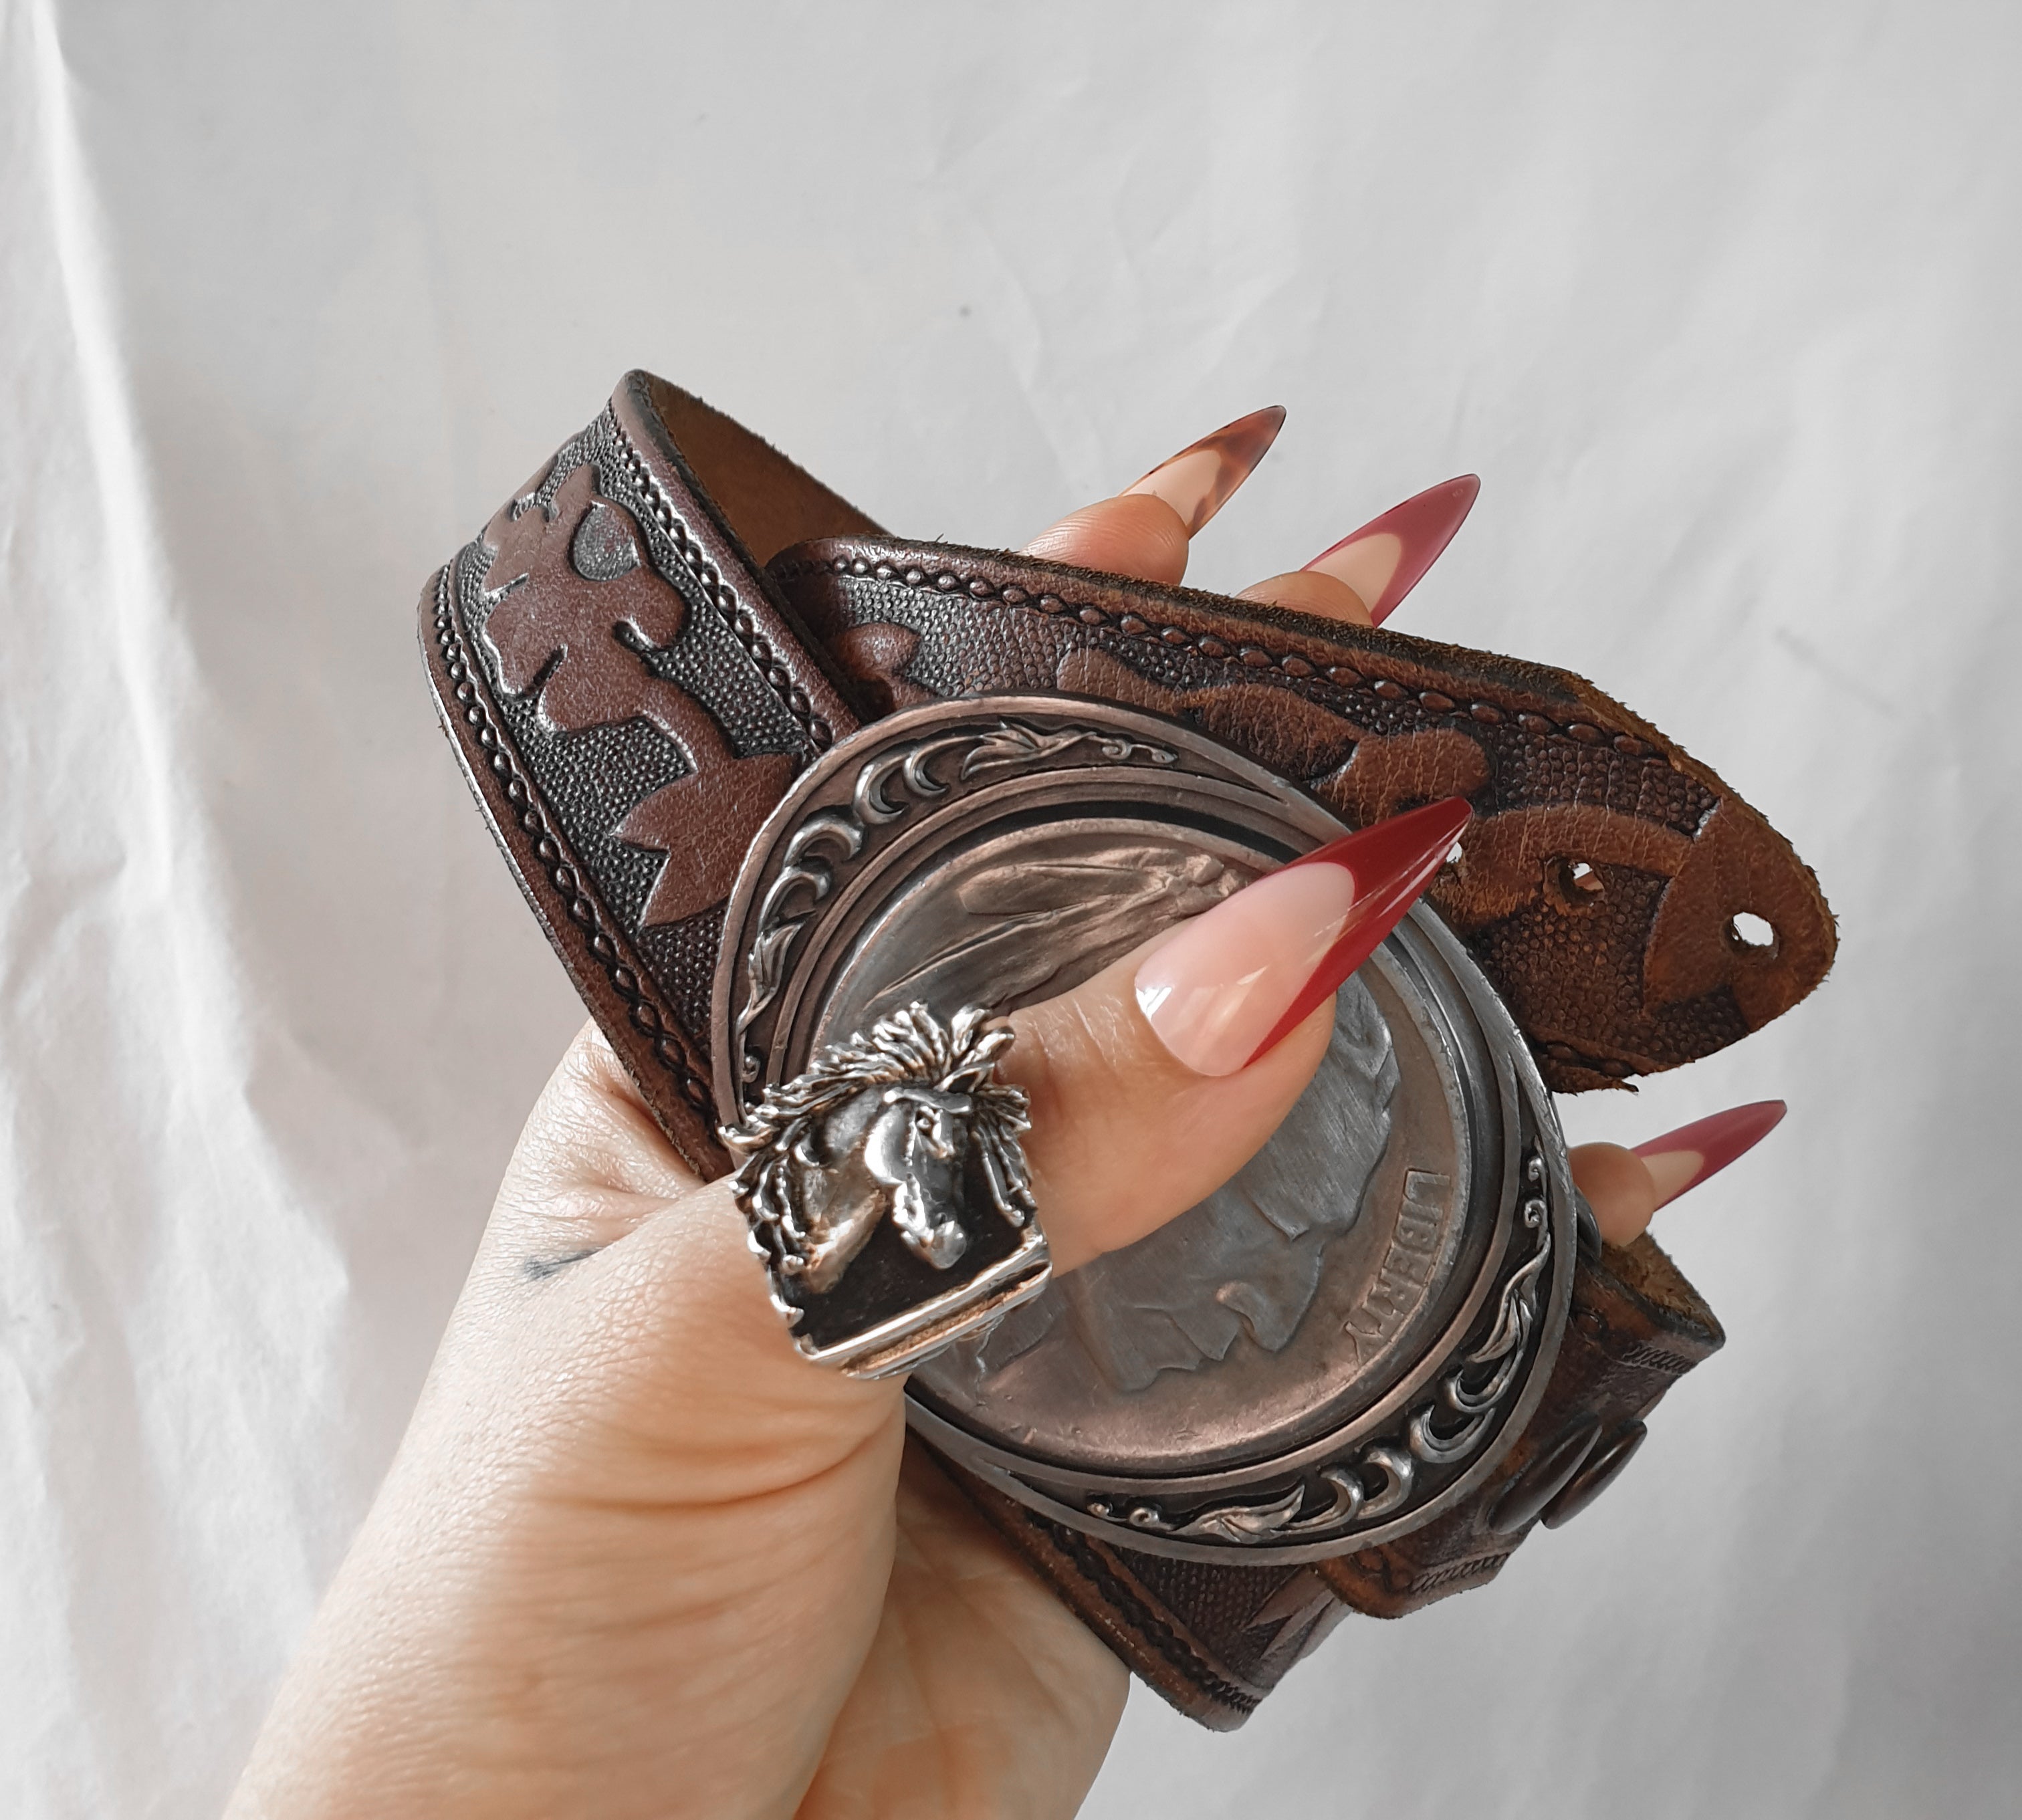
[670, 622]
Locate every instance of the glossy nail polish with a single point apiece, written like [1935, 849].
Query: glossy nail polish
[1684, 1158]
[1389, 556]
[1239, 979]
[1198, 481]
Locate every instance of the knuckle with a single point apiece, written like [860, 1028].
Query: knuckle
[1083, 1061]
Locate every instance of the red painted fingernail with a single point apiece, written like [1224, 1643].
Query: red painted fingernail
[1239, 979]
[1198, 481]
[1684, 1158]
[1389, 556]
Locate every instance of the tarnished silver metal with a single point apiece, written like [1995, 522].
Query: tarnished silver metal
[899, 1135]
[1341, 1342]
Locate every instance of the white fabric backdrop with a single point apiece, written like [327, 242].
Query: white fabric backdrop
[1721, 300]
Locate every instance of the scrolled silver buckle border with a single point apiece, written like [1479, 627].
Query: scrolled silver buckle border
[901, 1137]
[834, 881]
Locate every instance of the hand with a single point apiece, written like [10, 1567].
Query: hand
[635, 1556]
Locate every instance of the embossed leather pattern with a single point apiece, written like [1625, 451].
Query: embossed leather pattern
[629, 702]
[630, 689]
[1600, 881]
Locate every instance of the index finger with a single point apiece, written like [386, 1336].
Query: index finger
[1143, 532]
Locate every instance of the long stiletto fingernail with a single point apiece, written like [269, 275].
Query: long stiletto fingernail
[1197, 481]
[1684, 1158]
[1236, 980]
[1389, 556]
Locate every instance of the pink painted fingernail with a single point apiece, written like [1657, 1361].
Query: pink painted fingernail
[1237, 979]
[1197, 482]
[1387, 558]
[1684, 1158]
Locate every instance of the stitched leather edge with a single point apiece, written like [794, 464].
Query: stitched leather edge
[1142, 1635]
[552, 876]
[1148, 1623]
[1248, 657]
[722, 595]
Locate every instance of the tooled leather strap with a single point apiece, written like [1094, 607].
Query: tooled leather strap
[630, 698]
[670, 619]
[1600, 881]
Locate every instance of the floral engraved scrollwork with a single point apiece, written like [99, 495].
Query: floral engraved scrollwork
[804, 873]
[806, 878]
[1014, 743]
[1380, 1477]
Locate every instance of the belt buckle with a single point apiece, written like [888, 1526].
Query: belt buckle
[1337, 1346]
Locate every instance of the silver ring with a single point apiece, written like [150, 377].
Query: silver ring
[886, 1191]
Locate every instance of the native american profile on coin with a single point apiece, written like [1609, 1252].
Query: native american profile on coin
[1240, 1271]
